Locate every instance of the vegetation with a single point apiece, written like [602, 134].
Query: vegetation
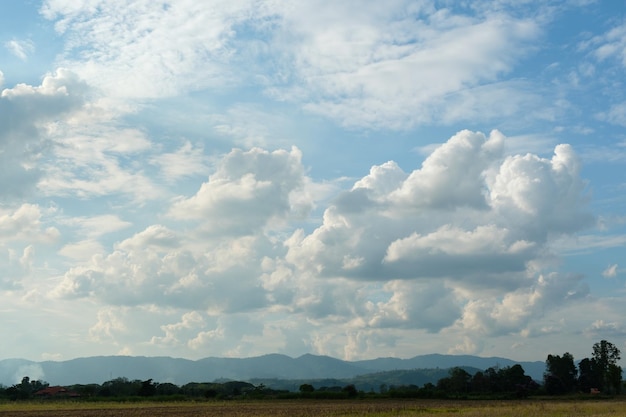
[346, 408]
[597, 375]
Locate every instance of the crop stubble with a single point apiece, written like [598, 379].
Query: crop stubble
[373, 408]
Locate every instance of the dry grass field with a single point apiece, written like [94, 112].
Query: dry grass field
[373, 408]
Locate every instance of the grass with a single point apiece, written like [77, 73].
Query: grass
[328, 408]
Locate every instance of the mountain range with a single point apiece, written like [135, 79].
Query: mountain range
[98, 369]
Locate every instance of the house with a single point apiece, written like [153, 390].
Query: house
[56, 392]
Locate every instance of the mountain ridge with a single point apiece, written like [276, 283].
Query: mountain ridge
[98, 369]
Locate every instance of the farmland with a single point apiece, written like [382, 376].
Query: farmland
[328, 408]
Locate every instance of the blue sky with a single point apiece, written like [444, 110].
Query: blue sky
[354, 179]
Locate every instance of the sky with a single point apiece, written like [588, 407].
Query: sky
[357, 179]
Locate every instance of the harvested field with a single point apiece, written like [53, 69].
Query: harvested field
[378, 408]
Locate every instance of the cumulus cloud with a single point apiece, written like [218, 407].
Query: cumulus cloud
[469, 214]
[515, 310]
[110, 322]
[26, 223]
[422, 306]
[182, 330]
[25, 112]
[604, 328]
[160, 266]
[248, 191]
[17, 262]
[452, 175]
[455, 244]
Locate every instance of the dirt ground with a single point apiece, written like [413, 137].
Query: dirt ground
[343, 408]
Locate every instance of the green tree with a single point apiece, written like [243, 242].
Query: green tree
[459, 380]
[147, 389]
[588, 375]
[24, 389]
[167, 388]
[515, 375]
[350, 390]
[606, 355]
[479, 382]
[561, 374]
[305, 388]
[614, 378]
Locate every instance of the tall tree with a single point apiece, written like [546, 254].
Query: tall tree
[606, 355]
[561, 373]
[459, 380]
[588, 376]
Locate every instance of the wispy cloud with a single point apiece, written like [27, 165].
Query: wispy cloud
[610, 271]
[20, 48]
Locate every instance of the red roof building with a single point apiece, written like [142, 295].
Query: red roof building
[56, 392]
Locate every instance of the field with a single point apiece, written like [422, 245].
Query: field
[373, 408]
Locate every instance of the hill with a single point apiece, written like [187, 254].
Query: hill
[178, 371]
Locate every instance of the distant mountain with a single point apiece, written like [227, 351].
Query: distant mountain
[534, 369]
[366, 382]
[99, 369]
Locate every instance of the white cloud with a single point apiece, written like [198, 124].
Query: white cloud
[25, 224]
[612, 44]
[175, 46]
[168, 242]
[163, 267]
[393, 253]
[91, 158]
[96, 226]
[362, 65]
[428, 306]
[515, 310]
[18, 264]
[606, 329]
[374, 68]
[25, 113]
[585, 243]
[453, 175]
[185, 162]
[468, 346]
[110, 323]
[548, 196]
[482, 242]
[82, 250]
[174, 332]
[468, 214]
[249, 191]
[616, 114]
[610, 271]
[21, 49]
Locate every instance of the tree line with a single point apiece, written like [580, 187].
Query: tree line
[598, 374]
